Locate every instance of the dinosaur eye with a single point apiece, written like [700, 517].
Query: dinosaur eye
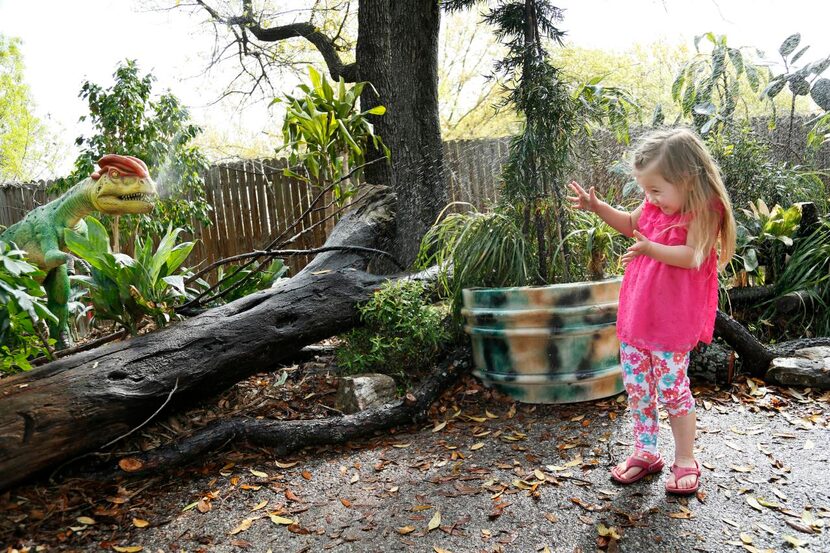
[114, 173]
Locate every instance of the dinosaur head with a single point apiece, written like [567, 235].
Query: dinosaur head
[123, 185]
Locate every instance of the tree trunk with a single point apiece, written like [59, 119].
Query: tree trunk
[84, 401]
[397, 51]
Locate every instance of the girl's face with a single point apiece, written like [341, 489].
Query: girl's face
[659, 191]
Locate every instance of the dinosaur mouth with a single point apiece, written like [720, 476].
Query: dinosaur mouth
[138, 196]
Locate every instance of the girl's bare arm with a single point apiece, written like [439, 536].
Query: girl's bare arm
[623, 221]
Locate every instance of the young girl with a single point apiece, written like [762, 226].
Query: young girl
[669, 293]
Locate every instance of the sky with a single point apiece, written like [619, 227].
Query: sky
[68, 42]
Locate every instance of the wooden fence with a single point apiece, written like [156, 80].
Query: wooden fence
[253, 202]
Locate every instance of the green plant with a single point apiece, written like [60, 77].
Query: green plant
[808, 272]
[708, 86]
[532, 218]
[594, 242]
[400, 330]
[476, 249]
[125, 289]
[326, 134]
[251, 282]
[805, 81]
[764, 236]
[128, 121]
[750, 172]
[23, 311]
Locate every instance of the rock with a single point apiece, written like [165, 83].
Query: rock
[356, 393]
[808, 367]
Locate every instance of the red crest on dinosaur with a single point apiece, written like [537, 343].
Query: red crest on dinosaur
[125, 165]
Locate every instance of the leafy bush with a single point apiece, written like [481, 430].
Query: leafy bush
[23, 311]
[127, 120]
[326, 134]
[750, 173]
[764, 236]
[238, 283]
[477, 249]
[125, 289]
[808, 272]
[401, 331]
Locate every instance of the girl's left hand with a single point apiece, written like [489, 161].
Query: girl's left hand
[640, 247]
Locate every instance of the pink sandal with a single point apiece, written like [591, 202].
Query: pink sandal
[647, 467]
[680, 472]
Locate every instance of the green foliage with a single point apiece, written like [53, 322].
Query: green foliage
[128, 121]
[808, 272]
[400, 331]
[764, 237]
[709, 86]
[477, 249]
[326, 134]
[250, 283]
[23, 311]
[20, 130]
[531, 222]
[804, 80]
[594, 243]
[750, 172]
[125, 289]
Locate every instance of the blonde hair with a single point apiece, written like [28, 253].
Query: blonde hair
[680, 157]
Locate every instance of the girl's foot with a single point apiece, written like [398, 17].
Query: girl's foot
[685, 477]
[637, 466]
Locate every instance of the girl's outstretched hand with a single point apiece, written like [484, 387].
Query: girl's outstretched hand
[640, 247]
[583, 200]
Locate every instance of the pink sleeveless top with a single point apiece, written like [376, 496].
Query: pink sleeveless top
[662, 307]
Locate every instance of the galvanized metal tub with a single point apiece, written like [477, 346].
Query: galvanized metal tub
[547, 344]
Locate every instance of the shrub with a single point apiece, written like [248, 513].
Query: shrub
[400, 331]
[23, 311]
[125, 289]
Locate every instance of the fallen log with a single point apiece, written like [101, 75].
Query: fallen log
[284, 437]
[79, 403]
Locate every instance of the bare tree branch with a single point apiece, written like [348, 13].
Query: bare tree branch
[243, 24]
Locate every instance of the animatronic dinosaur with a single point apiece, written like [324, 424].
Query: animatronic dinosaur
[122, 185]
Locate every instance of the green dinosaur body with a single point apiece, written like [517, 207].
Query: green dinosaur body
[121, 186]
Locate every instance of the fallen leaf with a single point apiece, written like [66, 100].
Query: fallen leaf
[490, 415]
[539, 474]
[140, 523]
[127, 549]
[354, 478]
[305, 474]
[401, 446]
[276, 519]
[345, 502]
[552, 518]
[440, 549]
[130, 464]
[86, 520]
[741, 468]
[242, 526]
[611, 532]
[203, 505]
[259, 473]
[746, 538]
[291, 496]
[477, 446]
[440, 426]
[404, 530]
[260, 505]
[417, 508]
[286, 465]
[754, 503]
[795, 542]
[434, 522]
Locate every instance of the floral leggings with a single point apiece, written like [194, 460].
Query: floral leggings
[650, 376]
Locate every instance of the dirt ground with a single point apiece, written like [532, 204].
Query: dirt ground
[484, 474]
